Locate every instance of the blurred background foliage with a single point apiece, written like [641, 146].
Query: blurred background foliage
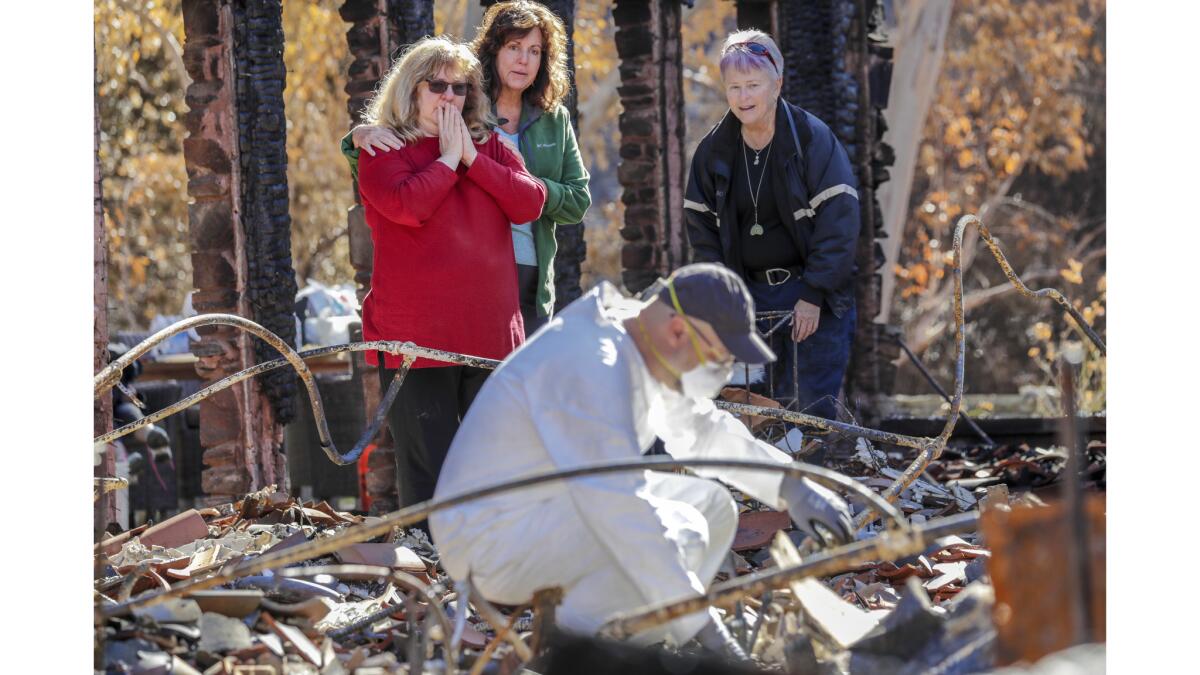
[1015, 132]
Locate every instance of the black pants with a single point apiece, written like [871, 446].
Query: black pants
[527, 286]
[423, 420]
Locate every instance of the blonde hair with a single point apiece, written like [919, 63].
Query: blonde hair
[395, 104]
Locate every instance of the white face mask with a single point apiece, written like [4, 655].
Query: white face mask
[706, 380]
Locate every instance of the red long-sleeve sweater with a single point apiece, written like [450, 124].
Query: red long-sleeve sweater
[444, 274]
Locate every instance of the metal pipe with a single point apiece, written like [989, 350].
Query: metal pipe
[418, 512]
[889, 546]
[111, 374]
[390, 347]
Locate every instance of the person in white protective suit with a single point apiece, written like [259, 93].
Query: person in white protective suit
[598, 383]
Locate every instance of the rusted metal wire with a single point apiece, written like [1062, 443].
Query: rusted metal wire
[408, 350]
[418, 512]
[397, 577]
[1016, 281]
[822, 423]
[888, 546]
[102, 485]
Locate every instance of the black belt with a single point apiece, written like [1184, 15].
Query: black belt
[776, 275]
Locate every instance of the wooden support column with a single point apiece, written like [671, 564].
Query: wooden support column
[379, 31]
[239, 230]
[652, 170]
[874, 353]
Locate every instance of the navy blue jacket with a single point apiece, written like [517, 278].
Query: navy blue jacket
[816, 192]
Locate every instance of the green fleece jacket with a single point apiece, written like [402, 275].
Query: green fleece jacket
[547, 141]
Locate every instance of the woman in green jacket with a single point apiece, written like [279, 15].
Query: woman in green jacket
[525, 75]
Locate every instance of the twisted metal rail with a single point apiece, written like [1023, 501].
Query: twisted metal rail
[417, 512]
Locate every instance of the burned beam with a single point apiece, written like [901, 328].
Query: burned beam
[652, 170]
[235, 122]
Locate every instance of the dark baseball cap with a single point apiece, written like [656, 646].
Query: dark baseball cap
[713, 293]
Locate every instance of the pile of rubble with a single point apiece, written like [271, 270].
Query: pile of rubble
[326, 623]
[383, 605]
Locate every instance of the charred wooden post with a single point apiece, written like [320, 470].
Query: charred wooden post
[652, 170]
[239, 230]
[379, 30]
[262, 138]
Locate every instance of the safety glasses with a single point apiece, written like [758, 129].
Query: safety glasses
[726, 360]
[756, 49]
[439, 87]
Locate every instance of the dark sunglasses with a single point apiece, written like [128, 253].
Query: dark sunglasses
[439, 87]
[757, 49]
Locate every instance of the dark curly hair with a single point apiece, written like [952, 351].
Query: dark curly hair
[505, 21]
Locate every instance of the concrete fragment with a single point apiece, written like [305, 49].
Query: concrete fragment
[220, 634]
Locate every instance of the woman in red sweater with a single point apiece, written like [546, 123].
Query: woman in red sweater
[440, 210]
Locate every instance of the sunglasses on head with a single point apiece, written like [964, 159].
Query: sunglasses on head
[756, 49]
[439, 87]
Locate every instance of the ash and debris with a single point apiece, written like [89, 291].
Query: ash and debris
[930, 612]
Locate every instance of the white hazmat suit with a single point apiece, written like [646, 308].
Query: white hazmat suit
[578, 393]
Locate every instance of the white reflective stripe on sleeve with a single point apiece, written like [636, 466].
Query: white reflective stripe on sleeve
[821, 197]
[696, 206]
[832, 192]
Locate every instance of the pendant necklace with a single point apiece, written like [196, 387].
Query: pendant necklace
[757, 229]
